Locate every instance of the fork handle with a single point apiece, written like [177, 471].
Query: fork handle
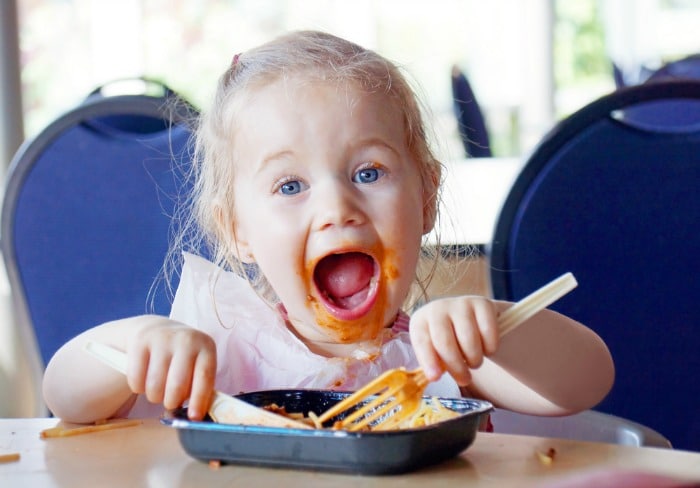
[535, 301]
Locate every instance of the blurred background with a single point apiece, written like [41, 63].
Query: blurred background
[530, 63]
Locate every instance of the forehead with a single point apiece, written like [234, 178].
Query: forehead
[304, 88]
[318, 105]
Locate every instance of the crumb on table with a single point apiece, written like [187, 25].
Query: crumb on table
[547, 457]
[9, 457]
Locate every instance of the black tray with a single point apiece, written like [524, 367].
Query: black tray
[389, 452]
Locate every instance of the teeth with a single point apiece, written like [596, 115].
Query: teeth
[330, 298]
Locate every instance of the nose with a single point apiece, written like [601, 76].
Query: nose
[337, 205]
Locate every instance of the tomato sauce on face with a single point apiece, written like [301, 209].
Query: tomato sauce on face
[368, 326]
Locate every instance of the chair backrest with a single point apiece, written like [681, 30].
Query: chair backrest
[615, 199]
[86, 215]
[470, 119]
[687, 68]
[618, 75]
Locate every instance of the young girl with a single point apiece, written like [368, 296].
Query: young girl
[315, 187]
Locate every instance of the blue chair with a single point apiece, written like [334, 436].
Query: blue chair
[630, 77]
[86, 216]
[470, 119]
[612, 195]
[618, 76]
[687, 68]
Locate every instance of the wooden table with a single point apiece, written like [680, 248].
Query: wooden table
[149, 454]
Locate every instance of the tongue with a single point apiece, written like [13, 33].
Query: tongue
[345, 278]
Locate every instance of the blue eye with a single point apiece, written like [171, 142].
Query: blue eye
[368, 175]
[291, 187]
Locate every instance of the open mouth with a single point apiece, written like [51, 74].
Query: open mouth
[347, 283]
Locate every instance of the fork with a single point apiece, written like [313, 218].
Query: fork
[397, 393]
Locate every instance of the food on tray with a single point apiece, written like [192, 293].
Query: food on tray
[430, 412]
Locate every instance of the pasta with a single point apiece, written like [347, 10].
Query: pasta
[430, 412]
[60, 431]
[9, 457]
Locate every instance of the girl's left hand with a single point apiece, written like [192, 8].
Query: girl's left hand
[454, 335]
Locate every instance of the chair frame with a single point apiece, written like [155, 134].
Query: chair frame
[588, 425]
[627, 105]
[171, 109]
[497, 249]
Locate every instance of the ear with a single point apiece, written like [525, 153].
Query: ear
[243, 252]
[429, 213]
[431, 184]
[230, 233]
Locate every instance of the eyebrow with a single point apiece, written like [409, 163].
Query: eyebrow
[374, 142]
[275, 156]
[357, 145]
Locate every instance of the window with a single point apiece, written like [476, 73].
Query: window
[529, 63]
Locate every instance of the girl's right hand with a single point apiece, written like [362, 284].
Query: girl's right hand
[171, 363]
[454, 335]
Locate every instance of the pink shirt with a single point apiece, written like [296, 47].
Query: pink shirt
[256, 350]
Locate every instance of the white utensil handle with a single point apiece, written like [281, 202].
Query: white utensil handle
[107, 354]
[536, 301]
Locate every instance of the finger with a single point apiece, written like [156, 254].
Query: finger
[444, 339]
[445, 343]
[487, 321]
[427, 356]
[460, 372]
[468, 338]
[156, 376]
[452, 352]
[202, 385]
[179, 380]
[137, 369]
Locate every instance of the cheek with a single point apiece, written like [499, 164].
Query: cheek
[403, 218]
[406, 262]
[280, 259]
[404, 245]
[269, 233]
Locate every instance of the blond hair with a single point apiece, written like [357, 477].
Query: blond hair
[316, 55]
